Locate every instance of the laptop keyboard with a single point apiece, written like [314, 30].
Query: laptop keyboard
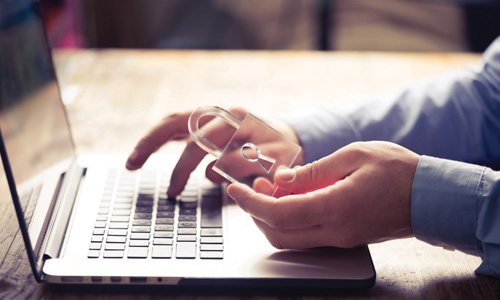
[28, 203]
[137, 220]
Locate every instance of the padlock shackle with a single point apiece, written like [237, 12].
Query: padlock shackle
[195, 132]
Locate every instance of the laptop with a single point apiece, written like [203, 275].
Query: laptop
[87, 220]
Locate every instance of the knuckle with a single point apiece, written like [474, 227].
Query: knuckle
[356, 151]
[239, 112]
[172, 117]
[312, 172]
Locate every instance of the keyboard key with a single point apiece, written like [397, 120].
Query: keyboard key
[165, 214]
[144, 203]
[167, 201]
[191, 205]
[102, 218]
[95, 246]
[139, 236]
[120, 199]
[185, 250]
[187, 211]
[113, 254]
[118, 225]
[187, 225]
[212, 192]
[166, 208]
[105, 204]
[211, 232]
[187, 218]
[137, 252]
[143, 216]
[116, 239]
[99, 231]
[93, 254]
[120, 219]
[115, 247]
[144, 210]
[211, 247]
[211, 240]
[147, 195]
[211, 212]
[141, 229]
[187, 231]
[165, 221]
[139, 243]
[124, 194]
[122, 206]
[168, 242]
[141, 223]
[164, 234]
[121, 212]
[118, 232]
[97, 239]
[211, 254]
[103, 211]
[186, 238]
[164, 228]
[161, 252]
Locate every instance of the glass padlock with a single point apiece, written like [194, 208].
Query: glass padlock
[246, 152]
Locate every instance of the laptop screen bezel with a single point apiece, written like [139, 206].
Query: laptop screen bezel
[19, 211]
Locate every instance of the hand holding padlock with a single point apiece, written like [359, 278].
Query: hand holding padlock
[243, 150]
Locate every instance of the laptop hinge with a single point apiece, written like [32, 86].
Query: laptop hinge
[59, 224]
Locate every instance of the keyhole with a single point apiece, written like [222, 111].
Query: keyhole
[252, 153]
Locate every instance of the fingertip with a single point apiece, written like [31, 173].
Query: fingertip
[133, 162]
[263, 186]
[236, 190]
[174, 189]
[131, 165]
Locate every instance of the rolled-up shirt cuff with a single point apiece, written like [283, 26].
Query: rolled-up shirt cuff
[443, 203]
[320, 131]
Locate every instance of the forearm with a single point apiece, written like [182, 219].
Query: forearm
[455, 204]
[453, 116]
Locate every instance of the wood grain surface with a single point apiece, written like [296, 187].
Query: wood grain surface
[114, 96]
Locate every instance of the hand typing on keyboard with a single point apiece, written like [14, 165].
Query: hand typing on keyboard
[174, 128]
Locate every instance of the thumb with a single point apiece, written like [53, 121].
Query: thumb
[313, 176]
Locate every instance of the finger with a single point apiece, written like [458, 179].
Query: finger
[172, 127]
[189, 160]
[293, 211]
[319, 174]
[303, 238]
[263, 186]
[212, 175]
[218, 132]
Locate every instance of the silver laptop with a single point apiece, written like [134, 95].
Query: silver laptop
[86, 220]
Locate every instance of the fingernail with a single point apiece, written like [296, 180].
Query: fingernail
[287, 175]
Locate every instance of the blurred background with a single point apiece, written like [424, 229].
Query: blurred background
[371, 25]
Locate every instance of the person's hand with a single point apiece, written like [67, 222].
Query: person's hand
[355, 196]
[175, 127]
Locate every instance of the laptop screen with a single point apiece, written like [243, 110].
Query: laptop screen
[33, 124]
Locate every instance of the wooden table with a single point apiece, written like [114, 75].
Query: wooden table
[114, 96]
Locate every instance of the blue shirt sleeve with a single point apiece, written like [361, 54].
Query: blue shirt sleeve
[453, 121]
